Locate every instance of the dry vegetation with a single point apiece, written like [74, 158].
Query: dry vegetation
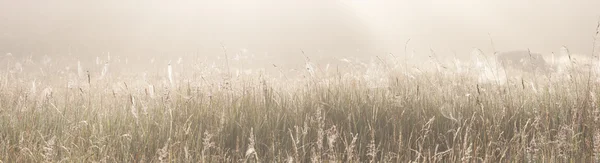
[63, 110]
[379, 112]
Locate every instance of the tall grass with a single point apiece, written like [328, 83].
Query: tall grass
[377, 112]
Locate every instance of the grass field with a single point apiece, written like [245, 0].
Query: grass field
[372, 112]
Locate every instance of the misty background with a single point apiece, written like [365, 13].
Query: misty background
[279, 30]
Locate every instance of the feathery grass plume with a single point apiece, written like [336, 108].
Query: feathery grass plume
[49, 154]
[151, 91]
[310, 68]
[375, 75]
[289, 159]
[467, 146]
[170, 73]
[487, 69]
[29, 60]
[372, 148]
[596, 149]
[251, 151]
[295, 143]
[350, 148]
[458, 65]
[46, 60]
[186, 153]
[596, 131]
[320, 120]
[134, 111]
[104, 72]
[332, 135]
[45, 96]
[466, 153]
[80, 70]
[315, 156]
[33, 89]
[163, 153]
[532, 150]
[18, 68]
[564, 145]
[533, 88]
[98, 60]
[222, 120]
[207, 144]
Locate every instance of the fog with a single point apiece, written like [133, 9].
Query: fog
[283, 29]
[450, 26]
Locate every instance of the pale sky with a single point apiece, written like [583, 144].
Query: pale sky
[283, 27]
[541, 25]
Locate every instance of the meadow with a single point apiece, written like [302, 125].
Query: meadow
[193, 110]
